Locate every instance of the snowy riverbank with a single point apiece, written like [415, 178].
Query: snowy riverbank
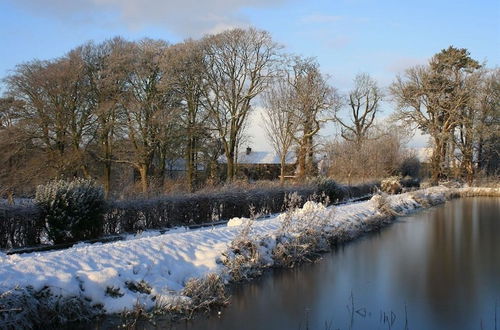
[147, 270]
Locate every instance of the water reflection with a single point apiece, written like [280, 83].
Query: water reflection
[442, 264]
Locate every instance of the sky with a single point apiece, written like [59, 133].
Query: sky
[347, 37]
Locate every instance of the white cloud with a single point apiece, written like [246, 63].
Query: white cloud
[191, 18]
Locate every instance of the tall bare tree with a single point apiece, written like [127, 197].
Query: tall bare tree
[106, 84]
[279, 120]
[55, 112]
[146, 103]
[488, 144]
[364, 101]
[314, 102]
[238, 64]
[186, 76]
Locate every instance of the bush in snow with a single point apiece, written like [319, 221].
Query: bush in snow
[391, 185]
[26, 225]
[410, 166]
[332, 190]
[246, 256]
[303, 234]
[73, 210]
[203, 294]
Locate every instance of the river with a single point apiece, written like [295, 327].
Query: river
[436, 269]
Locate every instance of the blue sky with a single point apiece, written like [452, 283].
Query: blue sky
[346, 36]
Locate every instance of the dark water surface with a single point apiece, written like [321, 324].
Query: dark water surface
[442, 265]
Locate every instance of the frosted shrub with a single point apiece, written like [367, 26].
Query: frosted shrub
[391, 185]
[302, 235]
[205, 293]
[73, 210]
[246, 255]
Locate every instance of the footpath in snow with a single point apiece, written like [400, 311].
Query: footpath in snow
[102, 273]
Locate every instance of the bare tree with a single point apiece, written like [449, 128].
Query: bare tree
[238, 66]
[106, 84]
[279, 119]
[186, 76]
[364, 101]
[468, 129]
[55, 112]
[374, 159]
[313, 101]
[146, 103]
[488, 126]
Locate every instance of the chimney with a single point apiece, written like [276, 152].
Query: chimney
[249, 150]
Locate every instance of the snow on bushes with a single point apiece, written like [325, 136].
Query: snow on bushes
[22, 226]
[391, 185]
[72, 210]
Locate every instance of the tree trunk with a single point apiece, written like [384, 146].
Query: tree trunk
[107, 178]
[310, 157]
[436, 161]
[301, 161]
[469, 168]
[143, 171]
[282, 170]
[230, 168]
[190, 157]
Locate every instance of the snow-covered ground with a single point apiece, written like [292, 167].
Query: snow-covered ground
[165, 262]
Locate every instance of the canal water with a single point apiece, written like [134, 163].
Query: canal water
[437, 269]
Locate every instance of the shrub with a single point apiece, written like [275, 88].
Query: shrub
[391, 185]
[409, 182]
[205, 293]
[332, 190]
[410, 167]
[73, 210]
[20, 225]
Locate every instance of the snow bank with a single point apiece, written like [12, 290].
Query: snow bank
[103, 273]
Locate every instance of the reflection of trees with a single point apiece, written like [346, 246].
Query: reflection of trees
[458, 255]
[282, 294]
[437, 262]
[450, 284]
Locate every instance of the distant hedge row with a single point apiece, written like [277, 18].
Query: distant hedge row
[22, 226]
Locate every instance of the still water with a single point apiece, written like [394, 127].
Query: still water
[436, 269]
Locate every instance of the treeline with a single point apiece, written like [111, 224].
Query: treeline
[103, 109]
[143, 103]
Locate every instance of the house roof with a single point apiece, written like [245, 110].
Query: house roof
[260, 157]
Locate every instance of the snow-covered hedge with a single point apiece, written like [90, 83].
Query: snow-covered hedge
[20, 225]
[18, 229]
[72, 210]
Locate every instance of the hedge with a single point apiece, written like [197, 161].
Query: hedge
[22, 226]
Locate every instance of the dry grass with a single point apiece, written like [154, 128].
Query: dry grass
[27, 308]
[477, 192]
[205, 293]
